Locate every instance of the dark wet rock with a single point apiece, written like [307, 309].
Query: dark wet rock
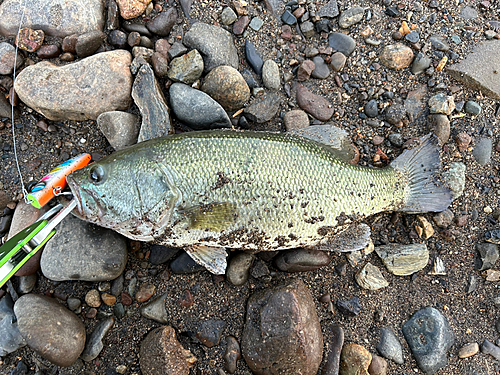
[5, 107]
[214, 43]
[395, 114]
[439, 43]
[315, 105]
[50, 329]
[112, 20]
[472, 107]
[94, 344]
[232, 354]
[187, 68]
[75, 17]
[488, 255]
[7, 58]
[156, 310]
[475, 71]
[10, 337]
[155, 112]
[295, 119]
[301, 260]
[161, 254]
[389, 346]
[69, 43]
[351, 17]
[350, 307]
[305, 70]
[134, 39]
[163, 22]
[420, 63]
[440, 125]
[332, 364]
[136, 27]
[337, 61]
[371, 108]
[403, 260]
[226, 86]
[120, 128]
[29, 40]
[429, 337]
[342, 43]
[253, 57]
[197, 109]
[329, 10]
[412, 37]
[241, 25]
[482, 151]
[441, 103]
[78, 91]
[263, 109]
[48, 51]
[177, 49]
[210, 331]
[82, 251]
[370, 277]
[132, 8]
[396, 56]
[184, 264]
[321, 70]
[162, 354]
[88, 43]
[392, 12]
[354, 360]
[238, 269]
[271, 75]
[288, 18]
[282, 333]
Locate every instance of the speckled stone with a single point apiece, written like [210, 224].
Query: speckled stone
[132, 8]
[295, 119]
[396, 56]
[354, 360]
[271, 75]
[226, 85]
[263, 109]
[317, 106]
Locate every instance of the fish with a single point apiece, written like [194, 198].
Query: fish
[210, 191]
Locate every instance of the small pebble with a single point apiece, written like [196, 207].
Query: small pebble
[93, 298]
[468, 350]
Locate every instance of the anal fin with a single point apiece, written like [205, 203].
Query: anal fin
[354, 237]
[212, 258]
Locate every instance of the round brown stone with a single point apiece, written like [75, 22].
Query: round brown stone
[315, 105]
[227, 86]
[396, 56]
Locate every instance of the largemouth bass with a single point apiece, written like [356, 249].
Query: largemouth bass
[211, 190]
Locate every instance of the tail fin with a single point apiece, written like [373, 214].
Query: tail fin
[421, 167]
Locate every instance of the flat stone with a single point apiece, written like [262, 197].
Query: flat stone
[271, 75]
[187, 68]
[55, 17]
[370, 277]
[155, 112]
[439, 43]
[487, 347]
[307, 29]
[389, 346]
[301, 260]
[7, 58]
[396, 56]
[332, 365]
[156, 310]
[162, 354]
[210, 331]
[455, 177]
[349, 307]
[288, 18]
[443, 219]
[338, 61]
[420, 63]
[403, 260]
[429, 337]
[232, 354]
[132, 8]
[482, 151]
[488, 255]
[354, 360]
[441, 103]
[468, 13]
[253, 57]
[196, 108]
[439, 124]
[214, 43]
[238, 269]
[78, 91]
[351, 17]
[226, 86]
[282, 333]
[120, 128]
[295, 119]
[342, 43]
[321, 70]
[256, 23]
[315, 105]
[414, 105]
[305, 70]
[94, 344]
[228, 17]
[241, 25]
[177, 49]
[50, 329]
[472, 107]
[468, 350]
[162, 24]
[378, 366]
[463, 141]
[329, 10]
[263, 109]
[83, 251]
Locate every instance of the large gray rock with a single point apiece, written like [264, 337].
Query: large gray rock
[478, 71]
[83, 251]
[120, 128]
[55, 17]
[50, 329]
[282, 334]
[197, 109]
[10, 337]
[79, 91]
[214, 43]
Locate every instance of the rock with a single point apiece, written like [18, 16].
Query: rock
[468, 350]
[351, 17]
[463, 141]
[156, 310]
[232, 354]
[491, 275]
[349, 307]
[228, 17]
[371, 108]
[186, 7]
[429, 337]
[253, 57]
[396, 56]
[108, 299]
[226, 86]
[120, 128]
[132, 8]
[307, 29]
[332, 364]
[160, 64]
[48, 51]
[187, 68]
[177, 49]
[488, 255]
[468, 13]
[342, 43]
[214, 43]
[94, 344]
[395, 114]
[271, 75]
[155, 112]
[389, 346]
[472, 107]
[256, 23]
[354, 360]
[5, 108]
[30, 40]
[51, 330]
[288, 18]
[482, 151]
[378, 366]
[321, 70]
[88, 43]
[93, 298]
[443, 219]
[241, 25]
[162, 24]
[370, 277]
[301, 260]
[78, 91]
[145, 292]
[305, 70]
[440, 125]
[239, 268]
[403, 260]
[441, 103]
[420, 63]
[475, 70]
[455, 177]
[161, 254]
[415, 108]
[315, 105]
[396, 139]
[184, 264]
[197, 109]
[7, 58]
[162, 354]
[27, 283]
[82, 251]
[263, 109]
[329, 10]
[427, 228]
[210, 332]
[282, 333]
[487, 347]
[295, 119]
[338, 60]
[56, 18]
[10, 337]
[439, 43]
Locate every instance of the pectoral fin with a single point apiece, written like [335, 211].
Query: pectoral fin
[212, 258]
[213, 217]
[355, 237]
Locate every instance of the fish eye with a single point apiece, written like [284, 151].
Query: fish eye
[96, 174]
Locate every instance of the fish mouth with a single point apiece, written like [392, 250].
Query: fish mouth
[76, 197]
[83, 211]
